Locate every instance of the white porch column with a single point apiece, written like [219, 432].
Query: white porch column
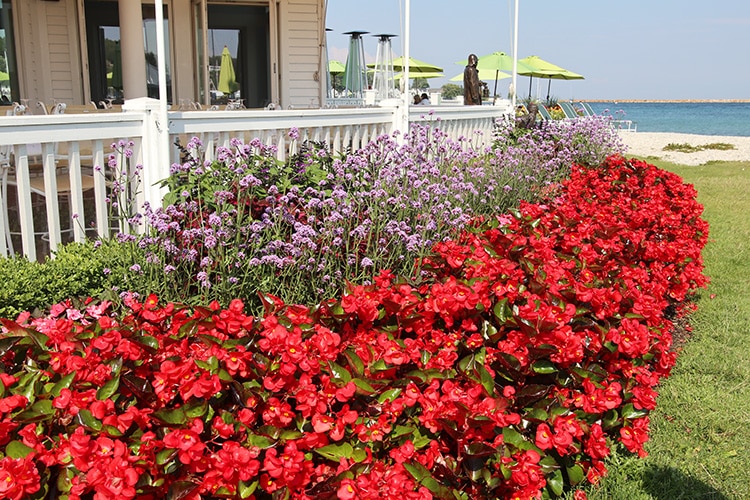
[132, 49]
[154, 158]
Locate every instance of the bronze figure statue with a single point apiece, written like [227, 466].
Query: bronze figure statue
[472, 91]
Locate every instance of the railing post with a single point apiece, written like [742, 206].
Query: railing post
[154, 147]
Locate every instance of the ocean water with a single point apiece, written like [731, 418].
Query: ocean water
[706, 118]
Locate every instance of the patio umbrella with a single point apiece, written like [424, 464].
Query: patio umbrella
[484, 75]
[545, 69]
[498, 61]
[227, 82]
[415, 66]
[4, 77]
[116, 78]
[425, 74]
[335, 68]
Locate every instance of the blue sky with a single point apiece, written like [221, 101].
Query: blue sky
[626, 49]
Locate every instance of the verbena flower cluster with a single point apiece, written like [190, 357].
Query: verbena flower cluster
[532, 345]
[302, 229]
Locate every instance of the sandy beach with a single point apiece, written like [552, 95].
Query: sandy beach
[651, 144]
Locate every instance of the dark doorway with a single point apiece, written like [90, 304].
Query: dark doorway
[244, 29]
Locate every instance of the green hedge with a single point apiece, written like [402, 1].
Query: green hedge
[77, 271]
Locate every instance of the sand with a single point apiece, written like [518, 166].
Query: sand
[651, 144]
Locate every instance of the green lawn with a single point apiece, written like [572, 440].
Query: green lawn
[700, 445]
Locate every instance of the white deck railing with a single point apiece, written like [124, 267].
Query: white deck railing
[57, 174]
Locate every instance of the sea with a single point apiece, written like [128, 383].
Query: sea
[705, 118]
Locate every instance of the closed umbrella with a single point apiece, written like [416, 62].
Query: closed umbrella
[227, 81]
[117, 67]
[545, 69]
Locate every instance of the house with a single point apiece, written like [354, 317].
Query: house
[55, 168]
[69, 50]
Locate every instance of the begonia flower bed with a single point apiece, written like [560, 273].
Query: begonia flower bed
[532, 346]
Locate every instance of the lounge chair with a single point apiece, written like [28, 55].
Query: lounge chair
[568, 109]
[587, 109]
[544, 112]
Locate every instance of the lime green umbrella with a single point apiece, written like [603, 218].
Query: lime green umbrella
[425, 74]
[415, 66]
[4, 77]
[227, 82]
[498, 62]
[485, 75]
[335, 67]
[545, 69]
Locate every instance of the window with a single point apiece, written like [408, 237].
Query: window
[8, 72]
[105, 62]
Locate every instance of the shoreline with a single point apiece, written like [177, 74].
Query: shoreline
[651, 144]
[647, 101]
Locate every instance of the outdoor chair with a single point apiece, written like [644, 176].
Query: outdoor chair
[544, 112]
[568, 109]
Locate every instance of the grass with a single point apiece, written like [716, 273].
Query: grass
[700, 444]
[689, 148]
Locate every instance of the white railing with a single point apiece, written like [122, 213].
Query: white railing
[59, 171]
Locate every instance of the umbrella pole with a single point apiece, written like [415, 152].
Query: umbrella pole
[494, 92]
[530, 79]
[549, 83]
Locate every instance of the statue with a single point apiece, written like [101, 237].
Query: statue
[472, 91]
[528, 120]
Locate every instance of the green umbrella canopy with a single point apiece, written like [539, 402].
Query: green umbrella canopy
[544, 69]
[415, 66]
[335, 67]
[484, 75]
[499, 61]
[423, 74]
[227, 81]
[4, 77]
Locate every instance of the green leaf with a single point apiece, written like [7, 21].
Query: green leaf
[16, 449]
[355, 362]
[502, 312]
[336, 452]
[246, 490]
[171, 417]
[149, 343]
[513, 437]
[165, 456]
[610, 419]
[339, 372]
[378, 366]
[486, 379]
[417, 470]
[363, 387]
[629, 412]
[575, 474]
[61, 384]
[108, 389]
[197, 409]
[544, 367]
[39, 411]
[262, 442]
[555, 483]
[86, 419]
[389, 395]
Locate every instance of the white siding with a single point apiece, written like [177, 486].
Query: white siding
[301, 23]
